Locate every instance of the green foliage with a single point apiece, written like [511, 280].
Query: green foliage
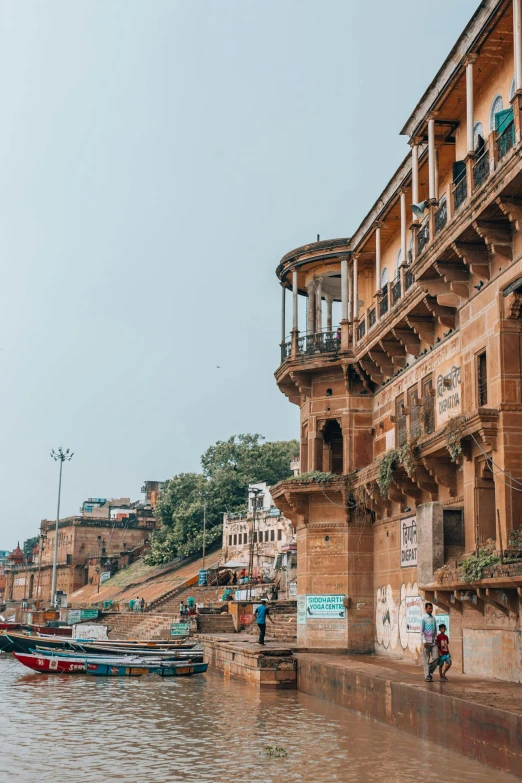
[515, 538]
[473, 567]
[29, 545]
[228, 468]
[314, 475]
[408, 456]
[453, 437]
[276, 752]
[386, 466]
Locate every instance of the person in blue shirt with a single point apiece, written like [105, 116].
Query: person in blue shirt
[261, 613]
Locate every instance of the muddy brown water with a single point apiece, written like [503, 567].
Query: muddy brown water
[95, 730]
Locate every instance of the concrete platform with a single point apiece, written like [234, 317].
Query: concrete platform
[239, 656]
[479, 718]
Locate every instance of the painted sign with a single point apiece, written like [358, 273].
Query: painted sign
[322, 607]
[180, 629]
[104, 576]
[202, 576]
[79, 615]
[448, 392]
[292, 588]
[87, 631]
[408, 542]
[301, 610]
[443, 619]
[413, 609]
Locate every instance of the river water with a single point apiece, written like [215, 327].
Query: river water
[72, 728]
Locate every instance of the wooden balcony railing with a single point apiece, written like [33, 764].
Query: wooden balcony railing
[481, 167]
[505, 141]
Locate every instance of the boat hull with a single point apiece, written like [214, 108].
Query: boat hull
[23, 643]
[51, 665]
[134, 670]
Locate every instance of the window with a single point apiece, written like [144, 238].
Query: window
[402, 431]
[428, 406]
[235, 539]
[482, 379]
[279, 534]
[496, 106]
[272, 535]
[267, 532]
[478, 136]
[255, 537]
[384, 277]
[415, 412]
[230, 540]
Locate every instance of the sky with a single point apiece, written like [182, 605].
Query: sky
[158, 158]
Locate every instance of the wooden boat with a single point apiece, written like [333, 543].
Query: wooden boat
[48, 664]
[24, 643]
[155, 655]
[136, 670]
[124, 666]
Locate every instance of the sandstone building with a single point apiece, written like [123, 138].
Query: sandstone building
[415, 403]
[105, 536]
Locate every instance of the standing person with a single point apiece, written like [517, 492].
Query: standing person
[338, 334]
[444, 653]
[181, 609]
[142, 605]
[137, 605]
[429, 639]
[261, 613]
[234, 578]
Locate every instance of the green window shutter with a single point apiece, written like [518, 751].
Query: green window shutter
[502, 120]
[459, 170]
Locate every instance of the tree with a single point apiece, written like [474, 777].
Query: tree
[228, 469]
[29, 545]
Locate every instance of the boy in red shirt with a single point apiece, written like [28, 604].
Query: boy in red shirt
[444, 655]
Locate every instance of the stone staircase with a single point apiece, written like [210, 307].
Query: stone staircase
[184, 574]
[215, 623]
[201, 595]
[284, 627]
[137, 626]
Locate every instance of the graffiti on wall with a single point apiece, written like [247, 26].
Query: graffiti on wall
[391, 624]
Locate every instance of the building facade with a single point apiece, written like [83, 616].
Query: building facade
[269, 534]
[105, 536]
[411, 407]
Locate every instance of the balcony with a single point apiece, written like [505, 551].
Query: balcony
[372, 317]
[408, 280]
[423, 237]
[481, 167]
[460, 191]
[361, 329]
[441, 217]
[384, 303]
[312, 343]
[505, 141]
[396, 290]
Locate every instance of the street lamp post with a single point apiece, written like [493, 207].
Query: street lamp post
[255, 491]
[58, 456]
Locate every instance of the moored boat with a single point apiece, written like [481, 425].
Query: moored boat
[24, 643]
[164, 655]
[48, 664]
[109, 669]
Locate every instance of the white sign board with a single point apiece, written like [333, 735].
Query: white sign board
[104, 576]
[408, 542]
[323, 607]
[301, 610]
[413, 613]
[85, 631]
[443, 619]
[448, 392]
[292, 588]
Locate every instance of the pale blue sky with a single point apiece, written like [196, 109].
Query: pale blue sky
[157, 160]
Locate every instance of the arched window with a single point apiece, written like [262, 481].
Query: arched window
[384, 277]
[399, 260]
[496, 106]
[512, 89]
[478, 136]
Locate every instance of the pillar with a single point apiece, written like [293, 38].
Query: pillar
[404, 228]
[310, 314]
[355, 291]
[295, 301]
[432, 163]
[319, 308]
[345, 305]
[378, 226]
[517, 40]
[430, 541]
[470, 120]
[329, 304]
[283, 314]
[414, 171]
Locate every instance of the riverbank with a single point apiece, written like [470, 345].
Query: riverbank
[478, 718]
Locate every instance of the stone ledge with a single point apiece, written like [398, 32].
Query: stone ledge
[272, 667]
[478, 718]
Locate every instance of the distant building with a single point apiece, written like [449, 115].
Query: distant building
[270, 533]
[107, 535]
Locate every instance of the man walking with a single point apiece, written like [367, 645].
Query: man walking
[430, 649]
[261, 613]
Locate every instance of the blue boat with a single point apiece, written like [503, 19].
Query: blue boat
[134, 669]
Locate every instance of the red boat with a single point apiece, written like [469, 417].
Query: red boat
[48, 664]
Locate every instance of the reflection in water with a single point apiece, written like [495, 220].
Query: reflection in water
[199, 729]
